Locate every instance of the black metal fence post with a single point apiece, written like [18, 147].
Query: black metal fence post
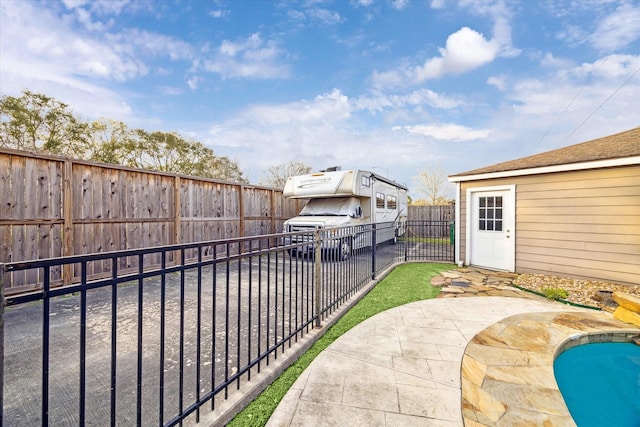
[373, 251]
[131, 296]
[318, 275]
[1, 342]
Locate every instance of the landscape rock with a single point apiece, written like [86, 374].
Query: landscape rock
[451, 274]
[581, 291]
[460, 282]
[626, 315]
[438, 281]
[628, 301]
[452, 290]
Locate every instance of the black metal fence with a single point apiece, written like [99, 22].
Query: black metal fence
[174, 339]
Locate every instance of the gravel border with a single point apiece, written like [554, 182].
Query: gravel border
[595, 293]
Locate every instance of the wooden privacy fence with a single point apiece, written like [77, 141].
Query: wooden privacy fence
[431, 221]
[52, 206]
[431, 213]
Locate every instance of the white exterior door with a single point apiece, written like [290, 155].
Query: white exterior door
[491, 226]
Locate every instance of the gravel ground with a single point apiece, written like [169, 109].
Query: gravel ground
[587, 292]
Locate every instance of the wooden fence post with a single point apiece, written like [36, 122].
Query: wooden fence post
[273, 211]
[177, 217]
[67, 215]
[177, 211]
[241, 209]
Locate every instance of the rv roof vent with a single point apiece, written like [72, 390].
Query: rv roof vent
[334, 169]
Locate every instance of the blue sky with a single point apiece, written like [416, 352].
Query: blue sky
[393, 86]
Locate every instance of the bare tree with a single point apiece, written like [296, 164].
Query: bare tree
[433, 184]
[276, 176]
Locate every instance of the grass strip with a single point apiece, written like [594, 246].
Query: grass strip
[406, 283]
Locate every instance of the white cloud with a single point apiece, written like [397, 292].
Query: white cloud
[421, 97]
[497, 81]
[575, 104]
[390, 79]
[52, 45]
[193, 83]
[172, 90]
[311, 13]
[114, 7]
[325, 109]
[248, 58]
[618, 30]
[136, 43]
[399, 4]
[72, 4]
[311, 131]
[218, 13]
[85, 18]
[608, 68]
[573, 35]
[447, 132]
[319, 132]
[549, 60]
[61, 55]
[500, 14]
[325, 16]
[465, 50]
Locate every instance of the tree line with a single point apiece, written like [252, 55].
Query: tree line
[39, 123]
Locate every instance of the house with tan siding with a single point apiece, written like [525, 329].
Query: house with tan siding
[574, 212]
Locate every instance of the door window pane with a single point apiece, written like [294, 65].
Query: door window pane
[490, 213]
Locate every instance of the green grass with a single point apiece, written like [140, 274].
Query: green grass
[405, 284]
[555, 293]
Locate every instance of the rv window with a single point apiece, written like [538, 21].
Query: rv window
[366, 181]
[391, 202]
[380, 200]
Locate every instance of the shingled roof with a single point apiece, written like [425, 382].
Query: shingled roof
[617, 146]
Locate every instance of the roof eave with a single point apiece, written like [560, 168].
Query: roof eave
[625, 161]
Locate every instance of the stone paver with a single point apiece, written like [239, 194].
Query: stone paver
[507, 369]
[486, 359]
[403, 367]
[483, 360]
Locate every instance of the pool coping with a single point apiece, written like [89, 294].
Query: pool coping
[507, 376]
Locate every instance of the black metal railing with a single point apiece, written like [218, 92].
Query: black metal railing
[169, 332]
[428, 241]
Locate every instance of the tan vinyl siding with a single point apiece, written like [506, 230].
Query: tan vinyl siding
[582, 224]
[578, 224]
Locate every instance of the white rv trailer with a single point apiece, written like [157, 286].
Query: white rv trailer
[348, 198]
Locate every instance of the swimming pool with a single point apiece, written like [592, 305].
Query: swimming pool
[600, 383]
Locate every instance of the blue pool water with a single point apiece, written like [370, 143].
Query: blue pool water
[600, 384]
